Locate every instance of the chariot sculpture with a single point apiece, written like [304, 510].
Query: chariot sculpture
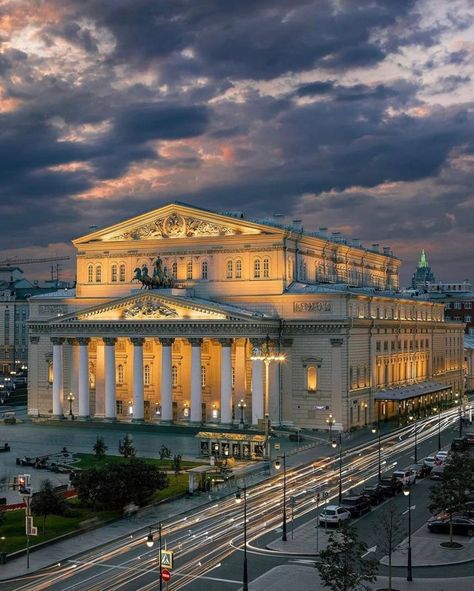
[159, 279]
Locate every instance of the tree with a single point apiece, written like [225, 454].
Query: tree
[390, 528]
[177, 464]
[342, 567]
[126, 447]
[114, 486]
[165, 453]
[450, 494]
[99, 447]
[47, 501]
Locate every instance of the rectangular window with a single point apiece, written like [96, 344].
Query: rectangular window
[114, 273]
[122, 273]
[378, 346]
[457, 305]
[119, 406]
[468, 305]
[189, 270]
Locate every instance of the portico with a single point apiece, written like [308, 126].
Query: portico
[161, 369]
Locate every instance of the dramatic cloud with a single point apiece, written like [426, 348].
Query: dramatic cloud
[356, 115]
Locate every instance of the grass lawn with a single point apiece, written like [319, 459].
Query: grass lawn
[91, 461]
[13, 529]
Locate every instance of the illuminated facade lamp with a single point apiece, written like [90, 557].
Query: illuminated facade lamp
[215, 412]
[186, 410]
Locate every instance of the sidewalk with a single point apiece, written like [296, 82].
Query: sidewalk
[303, 578]
[307, 540]
[426, 550]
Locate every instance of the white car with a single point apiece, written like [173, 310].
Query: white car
[429, 461]
[405, 476]
[334, 515]
[441, 456]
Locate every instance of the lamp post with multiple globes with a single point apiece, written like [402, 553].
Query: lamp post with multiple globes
[278, 465]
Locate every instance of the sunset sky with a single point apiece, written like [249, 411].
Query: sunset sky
[352, 114]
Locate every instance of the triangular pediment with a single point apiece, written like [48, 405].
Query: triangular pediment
[156, 306]
[175, 221]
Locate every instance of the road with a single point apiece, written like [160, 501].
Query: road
[207, 542]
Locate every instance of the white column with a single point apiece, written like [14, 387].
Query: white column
[257, 387]
[110, 397]
[336, 383]
[83, 381]
[226, 380]
[138, 397]
[166, 380]
[274, 393]
[58, 377]
[33, 399]
[196, 390]
[74, 374]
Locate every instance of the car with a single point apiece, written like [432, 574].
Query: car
[437, 473]
[6, 447]
[406, 476]
[420, 470]
[374, 493]
[441, 456]
[429, 462]
[470, 438]
[459, 444]
[391, 486]
[357, 505]
[334, 515]
[463, 525]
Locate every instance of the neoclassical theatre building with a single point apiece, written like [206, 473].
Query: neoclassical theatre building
[243, 318]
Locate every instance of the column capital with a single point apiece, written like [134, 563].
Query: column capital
[34, 340]
[110, 341]
[337, 342]
[165, 341]
[57, 340]
[71, 341]
[137, 341]
[225, 342]
[194, 342]
[83, 341]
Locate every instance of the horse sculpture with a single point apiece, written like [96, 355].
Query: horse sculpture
[159, 279]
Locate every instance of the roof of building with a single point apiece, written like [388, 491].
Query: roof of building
[469, 341]
[410, 391]
[58, 293]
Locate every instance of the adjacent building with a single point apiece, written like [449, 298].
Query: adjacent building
[246, 318]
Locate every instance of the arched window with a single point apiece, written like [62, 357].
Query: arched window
[189, 270]
[98, 274]
[122, 273]
[146, 375]
[312, 378]
[203, 376]
[90, 273]
[229, 270]
[119, 375]
[113, 276]
[174, 375]
[256, 268]
[174, 270]
[238, 269]
[204, 269]
[266, 268]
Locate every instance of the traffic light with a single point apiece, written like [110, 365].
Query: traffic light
[24, 484]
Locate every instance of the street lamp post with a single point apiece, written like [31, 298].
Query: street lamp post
[70, 399]
[459, 397]
[407, 493]
[376, 429]
[438, 409]
[149, 542]
[277, 466]
[267, 355]
[238, 499]
[334, 444]
[242, 406]
[330, 421]
[416, 436]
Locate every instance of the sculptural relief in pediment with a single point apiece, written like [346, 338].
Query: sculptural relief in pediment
[175, 225]
[148, 310]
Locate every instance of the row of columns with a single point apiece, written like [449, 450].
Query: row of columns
[138, 382]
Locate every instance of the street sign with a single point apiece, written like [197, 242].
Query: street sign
[165, 575]
[167, 558]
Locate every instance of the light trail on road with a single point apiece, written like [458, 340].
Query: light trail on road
[204, 538]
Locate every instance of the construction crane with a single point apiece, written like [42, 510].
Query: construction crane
[14, 262]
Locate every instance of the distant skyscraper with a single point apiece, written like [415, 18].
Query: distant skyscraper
[423, 275]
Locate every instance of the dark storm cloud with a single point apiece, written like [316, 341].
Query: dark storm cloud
[154, 72]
